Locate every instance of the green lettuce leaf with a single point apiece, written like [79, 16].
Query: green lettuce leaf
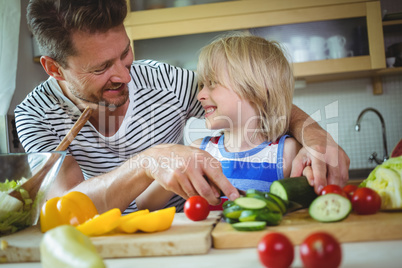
[386, 180]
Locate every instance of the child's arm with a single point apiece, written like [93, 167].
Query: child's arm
[290, 150]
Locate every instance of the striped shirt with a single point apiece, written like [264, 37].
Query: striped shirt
[162, 98]
[253, 169]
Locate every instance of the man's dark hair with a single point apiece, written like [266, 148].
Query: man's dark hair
[52, 22]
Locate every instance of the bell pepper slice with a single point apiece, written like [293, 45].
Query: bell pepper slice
[65, 246]
[73, 208]
[101, 224]
[155, 221]
[124, 221]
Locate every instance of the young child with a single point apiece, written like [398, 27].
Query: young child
[246, 88]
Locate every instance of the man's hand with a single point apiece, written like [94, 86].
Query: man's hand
[183, 170]
[321, 159]
[322, 163]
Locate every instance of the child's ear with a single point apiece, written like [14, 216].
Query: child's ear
[52, 67]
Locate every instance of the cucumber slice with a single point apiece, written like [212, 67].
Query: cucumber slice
[272, 218]
[254, 193]
[232, 212]
[248, 215]
[228, 204]
[330, 208]
[250, 203]
[279, 201]
[295, 189]
[250, 226]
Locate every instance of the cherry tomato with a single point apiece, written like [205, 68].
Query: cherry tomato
[366, 201]
[333, 189]
[275, 251]
[196, 208]
[319, 250]
[350, 190]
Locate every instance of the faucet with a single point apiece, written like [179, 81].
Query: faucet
[373, 156]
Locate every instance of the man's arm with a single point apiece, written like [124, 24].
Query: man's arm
[177, 168]
[321, 159]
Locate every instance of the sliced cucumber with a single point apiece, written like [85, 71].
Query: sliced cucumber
[279, 201]
[330, 208]
[272, 218]
[227, 204]
[253, 193]
[250, 203]
[250, 226]
[248, 215]
[232, 212]
[295, 189]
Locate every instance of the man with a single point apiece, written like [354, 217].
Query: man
[127, 150]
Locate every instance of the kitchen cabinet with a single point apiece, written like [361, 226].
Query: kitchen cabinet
[251, 14]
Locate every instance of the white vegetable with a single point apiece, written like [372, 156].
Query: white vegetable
[8, 204]
[386, 180]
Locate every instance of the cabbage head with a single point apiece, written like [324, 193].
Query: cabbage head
[386, 180]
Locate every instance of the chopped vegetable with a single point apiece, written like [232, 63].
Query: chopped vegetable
[65, 246]
[73, 208]
[14, 214]
[249, 225]
[101, 224]
[156, 221]
[330, 208]
[258, 207]
[386, 180]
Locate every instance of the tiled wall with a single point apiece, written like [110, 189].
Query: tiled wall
[336, 106]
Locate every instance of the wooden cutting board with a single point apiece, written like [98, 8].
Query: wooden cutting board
[184, 237]
[298, 225]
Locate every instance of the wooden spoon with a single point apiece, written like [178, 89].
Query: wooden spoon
[33, 184]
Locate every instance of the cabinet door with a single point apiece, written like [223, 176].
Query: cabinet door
[247, 15]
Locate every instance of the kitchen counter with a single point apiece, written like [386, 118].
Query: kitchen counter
[386, 254]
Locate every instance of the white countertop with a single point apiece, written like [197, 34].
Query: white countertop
[383, 254]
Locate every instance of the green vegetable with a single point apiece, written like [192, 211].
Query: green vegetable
[255, 207]
[330, 208]
[250, 203]
[295, 189]
[14, 214]
[65, 246]
[386, 180]
[249, 226]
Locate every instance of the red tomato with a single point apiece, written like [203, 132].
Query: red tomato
[333, 189]
[321, 250]
[366, 201]
[196, 208]
[275, 251]
[350, 190]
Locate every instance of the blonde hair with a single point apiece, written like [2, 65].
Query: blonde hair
[258, 71]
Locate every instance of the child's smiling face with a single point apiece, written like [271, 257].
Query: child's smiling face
[224, 109]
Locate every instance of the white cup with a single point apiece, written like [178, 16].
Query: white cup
[339, 52]
[301, 55]
[391, 61]
[318, 48]
[299, 42]
[336, 42]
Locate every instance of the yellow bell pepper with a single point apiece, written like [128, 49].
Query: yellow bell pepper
[73, 208]
[101, 224]
[155, 221]
[65, 247]
[124, 221]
